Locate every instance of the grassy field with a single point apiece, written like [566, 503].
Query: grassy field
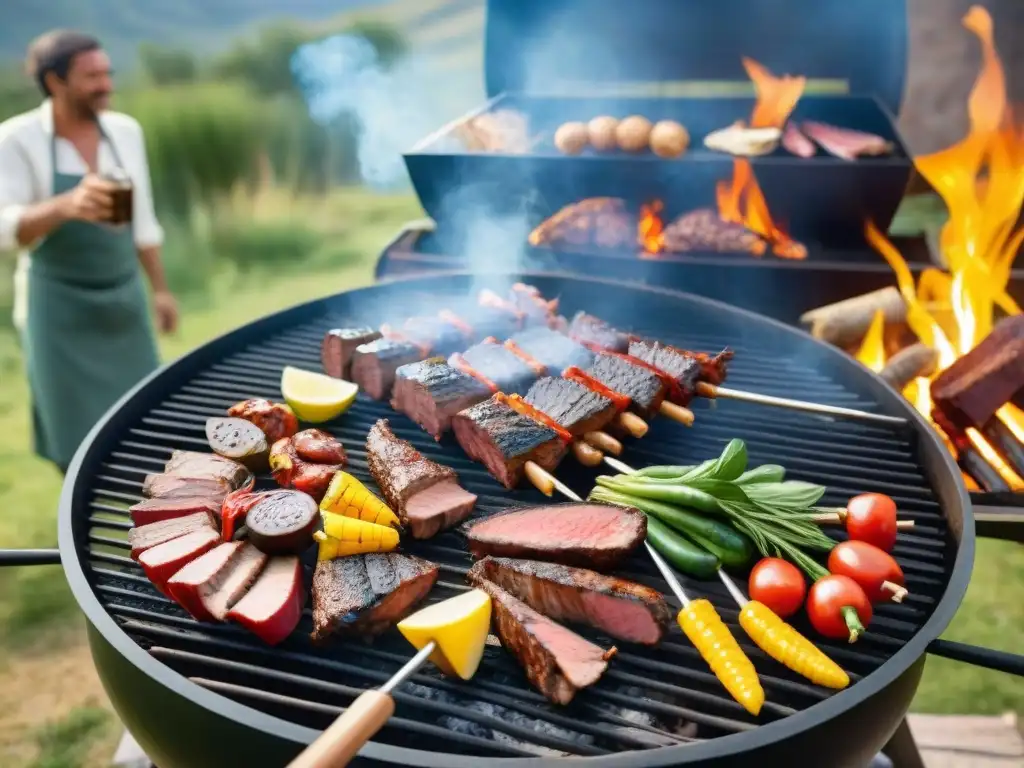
[53, 713]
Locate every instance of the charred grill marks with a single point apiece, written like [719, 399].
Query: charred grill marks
[576, 408]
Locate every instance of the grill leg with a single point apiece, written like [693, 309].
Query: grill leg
[130, 755]
[902, 749]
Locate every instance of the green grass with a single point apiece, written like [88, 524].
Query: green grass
[66, 742]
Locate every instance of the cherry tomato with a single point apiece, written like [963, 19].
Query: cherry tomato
[838, 608]
[871, 517]
[779, 585]
[875, 571]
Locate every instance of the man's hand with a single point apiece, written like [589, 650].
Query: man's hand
[166, 308]
[92, 200]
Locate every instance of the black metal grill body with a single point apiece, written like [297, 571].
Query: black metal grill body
[203, 695]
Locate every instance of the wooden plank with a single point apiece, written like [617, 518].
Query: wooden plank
[962, 741]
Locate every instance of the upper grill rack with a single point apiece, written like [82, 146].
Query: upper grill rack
[649, 697]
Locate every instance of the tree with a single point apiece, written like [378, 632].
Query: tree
[167, 66]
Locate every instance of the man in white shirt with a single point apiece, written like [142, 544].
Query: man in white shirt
[80, 300]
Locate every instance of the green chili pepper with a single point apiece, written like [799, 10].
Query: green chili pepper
[680, 553]
[678, 494]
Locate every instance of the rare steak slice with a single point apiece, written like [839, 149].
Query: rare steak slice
[210, 466]
[590, 535]
[551, 349]
[573, 406]
[500, 366]
[595, 332]
[424, 494]
[374, 364]
[164, 486]
[683, 369]
[504, 440]
[340, 344]
[209, 585]
[643, 387]
[557, 661]
[366, 594]
[150, 511]
[431, 392]
[147, 536]
[623, 609]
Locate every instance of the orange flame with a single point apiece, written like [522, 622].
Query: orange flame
[980, 179]
[777, 97]
[651, 229]
[741, 201]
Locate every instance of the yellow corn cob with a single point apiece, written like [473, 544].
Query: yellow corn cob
[715, 643]
[788, 647]
[349, 497]
[347, 536]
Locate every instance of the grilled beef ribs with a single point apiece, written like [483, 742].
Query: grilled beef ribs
[374, 364]
[150, 511]
[593, 331]
[623, 609]
[557, 661]
[575, 408]
[431, 392]
[209, 585]
[499, 365]
[503, 440]
[209, 466]
[164, 486]
[340, 344]
[272, 607]
[683, 369]
[366, 594]
[584, 534]
[147, 536]
[644, 388]
[554, 350]
[426, 495]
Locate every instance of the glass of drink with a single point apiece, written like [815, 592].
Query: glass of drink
[122, 198]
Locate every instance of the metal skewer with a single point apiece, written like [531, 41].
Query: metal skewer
[713, 391]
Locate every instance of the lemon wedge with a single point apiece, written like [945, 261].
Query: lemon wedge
[458, 625]
[314, 397]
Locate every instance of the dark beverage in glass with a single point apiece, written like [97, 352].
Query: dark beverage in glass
[123, 197]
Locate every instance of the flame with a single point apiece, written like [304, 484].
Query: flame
[981, 180]
[741, 201]
[776, 96]
[651, 229]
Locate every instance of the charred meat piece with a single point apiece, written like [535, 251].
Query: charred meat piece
[602, 221]
[209, 585]
[277, 420]
[683, 369]
[503, 440]
[195, 465]
[570, 404]
[426, 495]
[319, 447]
[499, 365]
[291, 470]
[713, 368]
[150, 511]
[845, 143]
[339, 345]
[366, 594]
[164, 486]
[553, 350]
[622, 609]
[437, 335]
[431, 392]
[374, 364]
[557, 661]
[595, 332]
[704, 230]
[644, 388]
[970, 391]
[163, 561]
[145, 537]
[584, 534]
[272, 607]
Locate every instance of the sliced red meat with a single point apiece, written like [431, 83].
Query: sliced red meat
[584, 534]
[163, 561]
[431, 392]
[340, 344]
[165, 486]
[796, 143]
[272, 607]
[194, 464]
[845, 143]
[145, 537]
[437, 508]
[208, 586]
[154, 510]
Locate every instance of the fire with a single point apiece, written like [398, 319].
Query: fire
[776, 96]
[651, 229]
[981, 180]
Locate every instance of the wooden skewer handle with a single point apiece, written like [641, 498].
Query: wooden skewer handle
[540, 478]
[586, 454]
[676, 413]
[346, 735]
[633, 424]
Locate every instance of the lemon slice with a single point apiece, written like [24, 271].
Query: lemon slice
[314, 397]
[459, 627]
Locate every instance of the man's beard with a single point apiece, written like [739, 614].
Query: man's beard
[89, 107]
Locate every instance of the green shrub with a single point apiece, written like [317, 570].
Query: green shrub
[252, 244]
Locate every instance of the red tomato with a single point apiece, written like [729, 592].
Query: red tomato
[875, 571]
[779, 585]
[838, 608]
[871, 517]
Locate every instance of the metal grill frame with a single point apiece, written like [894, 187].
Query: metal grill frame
[940, 469]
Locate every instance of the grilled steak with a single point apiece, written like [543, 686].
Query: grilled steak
[433, 333]
[553, 350]
[500, 366]
[529, 300]
[644, 388]
[587, 329]
[164, 486]
[683, 369]
[584, 534]
[503, 440]
[145, 537]
[374, 364]
[425, 495]
[623, 609]
[571, 405]
[366, 594]
[340, 344]
[557, 661]
[195, 465]
[150, 511]
[431, 392]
